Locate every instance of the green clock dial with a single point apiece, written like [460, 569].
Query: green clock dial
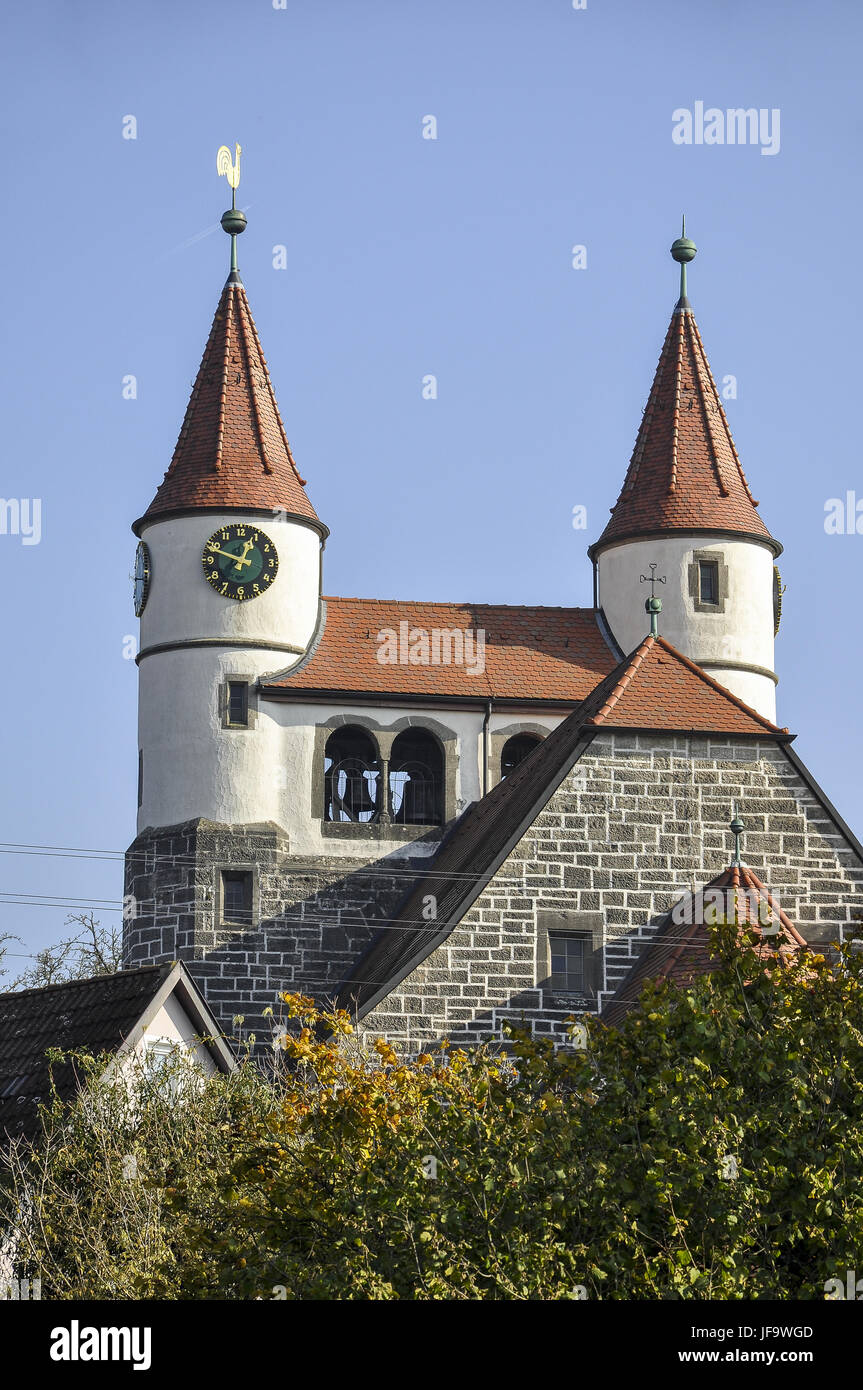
[240, 561]
[141, 578]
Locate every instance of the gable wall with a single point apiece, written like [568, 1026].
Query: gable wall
[640, 819]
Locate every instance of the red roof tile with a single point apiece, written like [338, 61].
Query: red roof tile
[685, 473]
[232, 452]
[682, 950]
[532, 654]
[659, 688]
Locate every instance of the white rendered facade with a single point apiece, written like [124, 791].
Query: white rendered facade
[734, 642]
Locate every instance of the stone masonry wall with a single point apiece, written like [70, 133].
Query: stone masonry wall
[640, 819]
[310, 921]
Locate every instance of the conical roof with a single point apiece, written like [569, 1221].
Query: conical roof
[685, 473]
[232, 453]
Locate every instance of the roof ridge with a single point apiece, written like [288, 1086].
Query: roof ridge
[154, 967]
[632, 664]
[465, 603]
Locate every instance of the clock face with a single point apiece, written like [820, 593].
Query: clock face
[240, 561]
[141, 578]
[778, 591]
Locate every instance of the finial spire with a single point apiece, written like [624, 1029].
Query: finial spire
[737, 828]
[653, 605]
[683, 250]
[234, 220]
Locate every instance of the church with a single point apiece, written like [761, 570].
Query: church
[448, 817]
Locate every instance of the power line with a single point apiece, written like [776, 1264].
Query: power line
[416, 870]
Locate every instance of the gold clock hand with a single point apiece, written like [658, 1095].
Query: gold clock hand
[237, 559]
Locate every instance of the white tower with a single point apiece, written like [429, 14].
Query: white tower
[228, 587]
[686, 508]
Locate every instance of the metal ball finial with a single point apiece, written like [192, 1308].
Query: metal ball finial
[737, 828]
[233, 221]
[683, 251]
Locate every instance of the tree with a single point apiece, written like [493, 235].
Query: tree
[92, 950]
[711, 1147]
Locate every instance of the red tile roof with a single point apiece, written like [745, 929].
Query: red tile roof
[532, 654]
[657, 687]
[232, 452]
[685, 473]
[681, 950]
[640, 691]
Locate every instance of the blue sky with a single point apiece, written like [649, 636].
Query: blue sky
[408, 256]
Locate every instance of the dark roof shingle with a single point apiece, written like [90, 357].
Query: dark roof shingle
[95, 1015]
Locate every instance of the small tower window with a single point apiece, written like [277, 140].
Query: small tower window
[238, 703]
[237, 897]
[708, 581]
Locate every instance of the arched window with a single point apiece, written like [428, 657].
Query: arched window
[351, 776]
[515, 750]
[416, 779]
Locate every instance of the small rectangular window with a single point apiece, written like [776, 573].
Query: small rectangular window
[140, 777]
[567, 962]
[708, 581]
[238, 703]
[237, 896]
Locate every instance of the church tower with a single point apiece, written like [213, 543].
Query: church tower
[686, 508]
[232, 504]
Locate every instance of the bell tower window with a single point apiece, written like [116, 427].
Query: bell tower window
[416, 779]
[351, 776]
[515, 750]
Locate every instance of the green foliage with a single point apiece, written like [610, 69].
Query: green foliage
[710, 1148]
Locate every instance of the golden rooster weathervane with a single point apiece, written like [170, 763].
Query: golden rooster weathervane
[229, 167]
[234, 220]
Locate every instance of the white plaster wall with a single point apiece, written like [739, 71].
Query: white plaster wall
[172, 1024]
[743, 632]
[298, 722]
[181, 604]
[194, 767]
